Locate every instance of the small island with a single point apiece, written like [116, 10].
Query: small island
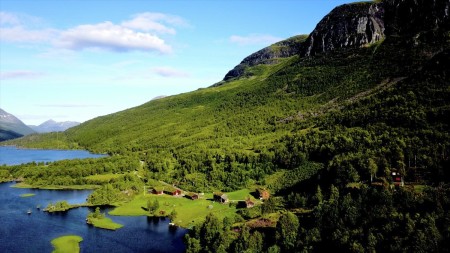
[27, 195]
[98, 219]
[60, 206]
[67, 244]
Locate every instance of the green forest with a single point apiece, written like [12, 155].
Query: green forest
[323, 134]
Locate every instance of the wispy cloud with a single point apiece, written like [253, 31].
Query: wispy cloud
[23, 34]
[142, 32]
[23, 28]
[254, 39]
[157, 22]
[169, 72]
[20, 74]
[8, 19]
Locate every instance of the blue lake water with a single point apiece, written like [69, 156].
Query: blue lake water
[20, 232]
[13, 156]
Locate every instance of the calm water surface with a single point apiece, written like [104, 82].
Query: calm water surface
[20, 232]
[13, 156]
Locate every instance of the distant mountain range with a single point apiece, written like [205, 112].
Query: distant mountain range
[53, 126]
[12, 127]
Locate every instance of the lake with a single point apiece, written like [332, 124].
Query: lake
[20, 232]
[11, 155]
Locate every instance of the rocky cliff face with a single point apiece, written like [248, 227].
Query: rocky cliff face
[357, 25]
[268, 55]
[349, 25]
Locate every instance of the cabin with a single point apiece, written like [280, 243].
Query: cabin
[171, 190]
[176, 192]
[249, 203]
[263, 194]
[221, 197]
[158, 190]
[192, 195]
[397, 179]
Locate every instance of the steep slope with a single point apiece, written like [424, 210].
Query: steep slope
[53, 126]
[304, 105]
[11, 127]
[269, 55]
[350, 25]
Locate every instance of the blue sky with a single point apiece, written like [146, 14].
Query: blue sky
[76, 60]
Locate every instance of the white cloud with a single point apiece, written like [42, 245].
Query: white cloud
[109, 36]
[140, 33]
[253, 39]
[149, 21]
[20, 74]
[22, 34]
[169, 72]
[23, 28]
[7, 18]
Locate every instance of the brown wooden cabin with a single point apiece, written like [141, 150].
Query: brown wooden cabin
[176, 192]
[221, 197]
[158, 190]
[192, 195]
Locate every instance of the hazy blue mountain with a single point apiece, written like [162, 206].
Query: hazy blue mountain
[53, 126]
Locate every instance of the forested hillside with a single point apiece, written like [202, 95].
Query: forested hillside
[323, 129]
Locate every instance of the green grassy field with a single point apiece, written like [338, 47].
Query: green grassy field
[67, 244]
[189, 212]
[240, 195]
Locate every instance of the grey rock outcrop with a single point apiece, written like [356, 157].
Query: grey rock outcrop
[357, 25]
[349, 25]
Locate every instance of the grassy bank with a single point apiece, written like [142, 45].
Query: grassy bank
[55, 187]
[105, 223]
[67, 244]
[189, 212]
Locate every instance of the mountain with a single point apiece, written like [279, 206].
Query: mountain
[332, 124]
[11, 127]
[53, 126]
[269, 55]
[370, 83]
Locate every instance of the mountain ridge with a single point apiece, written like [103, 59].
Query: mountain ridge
[53, 126]
[11, 127]
[258, 117]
